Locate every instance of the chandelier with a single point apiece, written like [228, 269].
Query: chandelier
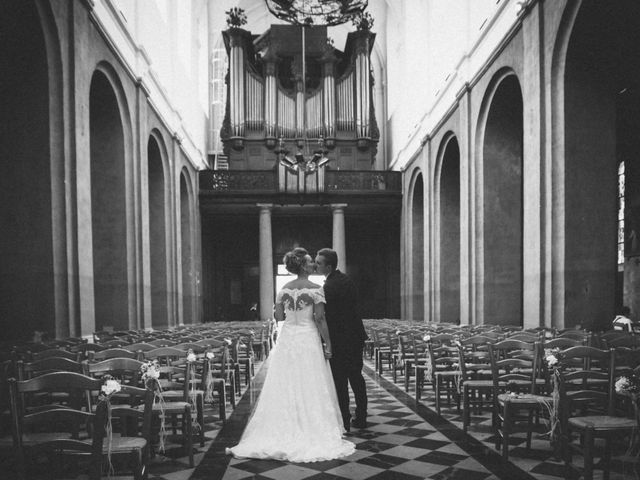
[316, 12]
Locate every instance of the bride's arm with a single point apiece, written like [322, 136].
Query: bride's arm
[321, 323]
[279, 312]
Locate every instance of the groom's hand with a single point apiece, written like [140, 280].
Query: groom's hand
[327, 354]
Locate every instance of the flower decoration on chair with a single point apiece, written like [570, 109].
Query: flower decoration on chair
[298, 162]
[109, 387]
[552, 360]
[629, 386]
[150, 373]
[150, 377]
[191, 357]
[208, 396]
[191, 365]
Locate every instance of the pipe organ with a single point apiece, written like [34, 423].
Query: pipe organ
[268, 99]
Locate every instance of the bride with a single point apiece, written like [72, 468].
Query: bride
[297, 417]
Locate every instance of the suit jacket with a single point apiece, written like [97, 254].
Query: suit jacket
[342, 313]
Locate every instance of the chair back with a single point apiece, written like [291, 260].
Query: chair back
[165, 355]
[58, 433]
[514, 365]
[139, 347]
[588, 388]
[111, 353]
[114, 343]
[55, 352]
[39, 392]
[126, 370]
[28, 370]
[162, 342]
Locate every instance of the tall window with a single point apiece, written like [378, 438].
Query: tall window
[621, 217]
[284, 277]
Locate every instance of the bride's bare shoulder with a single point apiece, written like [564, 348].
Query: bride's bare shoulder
[299, 284]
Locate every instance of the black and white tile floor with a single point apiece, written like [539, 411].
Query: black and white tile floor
[404, 440]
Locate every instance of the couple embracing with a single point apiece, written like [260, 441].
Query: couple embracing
[303, 409]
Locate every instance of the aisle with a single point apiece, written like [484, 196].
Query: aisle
[401, 442]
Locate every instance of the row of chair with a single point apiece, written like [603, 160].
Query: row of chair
[505, 372]
[212, 372]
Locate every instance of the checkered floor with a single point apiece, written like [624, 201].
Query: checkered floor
[403, 440]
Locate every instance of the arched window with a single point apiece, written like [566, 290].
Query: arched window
[621, 217]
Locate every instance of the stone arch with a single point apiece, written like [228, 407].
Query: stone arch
[596, 121]
[416, 255]
[110, 161]
[187, 244]
[500, 208]
[447, 198]
[159, 220]
[31, 183]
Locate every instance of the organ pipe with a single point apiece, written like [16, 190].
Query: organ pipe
[270, 101]
[345, 118]
[362, 95]
[254, 95]
[237, 88]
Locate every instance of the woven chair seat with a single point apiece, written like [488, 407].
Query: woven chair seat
[603, 422]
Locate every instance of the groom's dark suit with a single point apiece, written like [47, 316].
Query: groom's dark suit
[347, 339]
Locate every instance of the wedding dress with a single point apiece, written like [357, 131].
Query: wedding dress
[297, 417]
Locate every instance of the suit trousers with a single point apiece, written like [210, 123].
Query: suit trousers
[346, 368]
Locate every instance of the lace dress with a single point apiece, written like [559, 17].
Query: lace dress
[297, 417]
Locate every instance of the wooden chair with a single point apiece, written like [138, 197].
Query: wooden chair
[587, 409]
[446, 374]
[476, 385]
[381, 349]
[131, 434]
[516, 379]
[55, 431]
[178, 406]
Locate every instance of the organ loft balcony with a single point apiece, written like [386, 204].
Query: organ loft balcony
[300, 124]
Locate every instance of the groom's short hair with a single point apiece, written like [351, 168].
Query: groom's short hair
[330, 256]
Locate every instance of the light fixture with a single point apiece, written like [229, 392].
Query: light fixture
[316, 12]
[298, 163]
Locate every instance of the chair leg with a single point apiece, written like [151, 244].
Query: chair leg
[437, 386]
[200, 416]
[506, 423]
[188, 434]
[588, 454]
[466, 414]
[221, 387]
[419, 374]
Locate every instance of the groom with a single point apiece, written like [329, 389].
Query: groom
[347, 337]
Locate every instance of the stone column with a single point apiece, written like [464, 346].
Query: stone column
[339, 244]
[266, 262]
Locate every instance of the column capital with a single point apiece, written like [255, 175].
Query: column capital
[265, 206]
[338, 206]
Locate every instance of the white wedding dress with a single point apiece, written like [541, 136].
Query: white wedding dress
[297, 417]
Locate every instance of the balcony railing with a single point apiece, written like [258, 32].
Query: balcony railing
[283, 182]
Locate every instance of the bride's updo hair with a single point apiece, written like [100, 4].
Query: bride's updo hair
[295, 260]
